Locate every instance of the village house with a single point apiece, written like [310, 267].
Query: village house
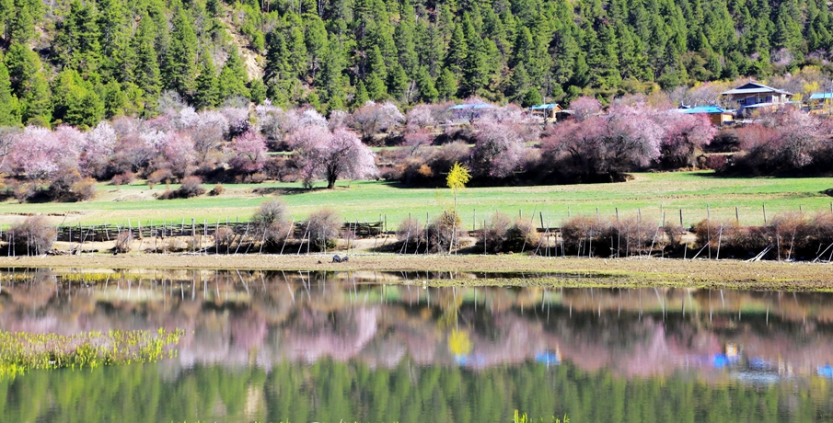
[716, 114]
[753, 95]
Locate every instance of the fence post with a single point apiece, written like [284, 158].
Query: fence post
[765, 222]
[737, 216]
[681, 217]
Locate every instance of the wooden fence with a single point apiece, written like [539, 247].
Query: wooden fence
[101, 233]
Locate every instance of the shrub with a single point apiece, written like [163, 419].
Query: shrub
[217, 190]
[522, 235]
[577, 233]
[35, 235]
[22, 191]
[716, 162]
[443, 231]
[83, 190]
[123, 242]
[272, 220]
[411, 232]
[125, 178]
[324, 226]
[191, 187]
[159, 176]
[223, 238]
[496, 232]
[257, 178]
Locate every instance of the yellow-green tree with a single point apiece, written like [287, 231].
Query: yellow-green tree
[457, 179]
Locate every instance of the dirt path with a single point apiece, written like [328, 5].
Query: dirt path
[728, 273]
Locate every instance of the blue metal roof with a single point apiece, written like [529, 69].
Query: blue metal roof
[547, 106]
[471, 106]
[703, 109]
[821, 96]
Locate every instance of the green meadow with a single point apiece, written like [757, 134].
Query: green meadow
[650, 194]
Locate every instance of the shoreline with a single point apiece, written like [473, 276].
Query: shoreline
[608, 272]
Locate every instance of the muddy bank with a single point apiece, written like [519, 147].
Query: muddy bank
[633, 271]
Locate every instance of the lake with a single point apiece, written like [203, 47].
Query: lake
[383, 347]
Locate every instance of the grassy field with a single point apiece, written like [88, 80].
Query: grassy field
[367, 201]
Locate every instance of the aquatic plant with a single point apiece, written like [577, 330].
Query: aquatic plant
[22, 351]
[524, 418]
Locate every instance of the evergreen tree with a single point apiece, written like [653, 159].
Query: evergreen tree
[77, 42]
[257, 91]
[457, 51]
[118, 58]
[315, 40]
[28, 83]
[475, 67]
[9, 108]
[207, 94]
[22, 28]
[146, 71]
[332, 78]
[181, 57]
[398, 82]
[447, 85]
[427, 91]
[115, 100]
[362, 96]
[233, 77]
[404, 39]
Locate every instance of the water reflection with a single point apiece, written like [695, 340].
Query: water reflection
[287, 325]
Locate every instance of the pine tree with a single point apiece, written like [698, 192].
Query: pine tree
[180, 59]
[398, 82]
[475, 67]
[447, 85]
[427, 91]
[332, 79]
[146, 71]
[115, 100]
[457, 51]
[118, 56]
[207, 92]
[257, 91]
[77, 41]
[362, 96]
[233, 77]
[36, 102]
[22, 28]
[9, 108]
[315, 40]
[29, 85]
[376, 88]
[404, 38]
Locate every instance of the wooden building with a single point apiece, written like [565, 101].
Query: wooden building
[753, 95]
[716, 114]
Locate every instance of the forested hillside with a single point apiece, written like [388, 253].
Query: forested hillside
[81, 61]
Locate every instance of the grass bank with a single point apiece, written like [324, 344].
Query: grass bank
[596, 272]
[651, 193]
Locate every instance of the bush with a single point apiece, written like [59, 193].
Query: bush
[411, 232]
[22, 191]
[323, 227]
[223, 238]
[443, 231]
[35, 235]
[521, 236]
[496, 232]
[83, 190]
[191, 187]
[159, 176]
[123, 242]
[125, 178]
[218, 189]
[272, 220]
[257, 178]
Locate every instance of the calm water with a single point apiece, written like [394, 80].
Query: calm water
[309, 347]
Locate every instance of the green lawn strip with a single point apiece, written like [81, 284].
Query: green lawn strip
[650, 194]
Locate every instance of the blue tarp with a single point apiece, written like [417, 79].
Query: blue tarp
[703, 109]
[548, 106]
[821, 96]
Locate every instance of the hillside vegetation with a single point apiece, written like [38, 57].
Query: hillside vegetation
[78, 62]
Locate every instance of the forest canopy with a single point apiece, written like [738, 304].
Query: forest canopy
[79, 62]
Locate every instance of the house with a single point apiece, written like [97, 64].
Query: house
[547, 111]
[753, 95]
[469, 111]
[821, 103]
[716, 114]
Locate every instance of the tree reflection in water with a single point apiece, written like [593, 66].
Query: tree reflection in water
[361, 346]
